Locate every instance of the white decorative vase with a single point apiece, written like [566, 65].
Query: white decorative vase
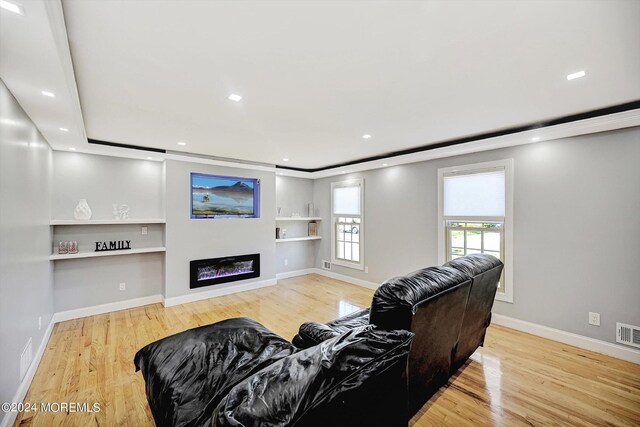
[82, 210]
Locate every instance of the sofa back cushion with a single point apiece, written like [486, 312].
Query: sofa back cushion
[396, 300]
[357, 378]
[485, 271]
[431, 304]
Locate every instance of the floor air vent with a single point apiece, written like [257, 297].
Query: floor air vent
[628, 334]
[326, 265]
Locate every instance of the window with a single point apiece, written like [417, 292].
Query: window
[347, 223]
[475, 209]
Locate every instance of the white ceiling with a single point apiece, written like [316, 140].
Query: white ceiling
[34, 56]
[314, 76]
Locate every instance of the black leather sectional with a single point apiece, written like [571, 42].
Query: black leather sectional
[375, 367]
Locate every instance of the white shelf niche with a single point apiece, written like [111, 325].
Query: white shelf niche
[56, 257]
[298, 218]
[298, 239]
[107, 221]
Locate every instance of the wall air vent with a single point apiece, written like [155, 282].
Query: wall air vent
[326, 265]
[628, 334]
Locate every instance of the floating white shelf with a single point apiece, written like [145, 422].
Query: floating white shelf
[297, 239]
[55, 257]
[107, 221]
[298, 218]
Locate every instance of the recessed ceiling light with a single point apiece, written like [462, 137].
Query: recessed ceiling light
[64, 129]
[72, 149]
[535, 138]
[11, 7]
[149, 158]
[577, 75]
[280, 173]
[343, 172]
[366, 136]
[384, 164]
[285, 160]
[182, 143]
[49, 94]
[235, 97]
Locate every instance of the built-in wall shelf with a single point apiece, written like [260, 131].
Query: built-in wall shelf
[56, 257]
[298, 218]
[107, 221]
[298, 239]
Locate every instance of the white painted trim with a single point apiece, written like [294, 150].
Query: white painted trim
[184, 299]
[507, 164]
[23, 388]
[348, 279]
[230, 163]
[625, 119]
[359, 182]
[105, 308]
[610, 349]
[622, 120]
[295, 273]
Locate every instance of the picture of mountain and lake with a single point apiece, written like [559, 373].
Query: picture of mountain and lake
[221, 196]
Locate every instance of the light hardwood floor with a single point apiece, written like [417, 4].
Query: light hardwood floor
[516, 379]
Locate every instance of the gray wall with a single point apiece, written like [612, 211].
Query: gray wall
[189, 239]
[25, 270]
[576, 226]
[293, 195]
[103, 181]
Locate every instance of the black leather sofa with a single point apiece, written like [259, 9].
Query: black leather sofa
[238, 373]
[359, 370]
[448, 309]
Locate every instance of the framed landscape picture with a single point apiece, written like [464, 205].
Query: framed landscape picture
[217, 196]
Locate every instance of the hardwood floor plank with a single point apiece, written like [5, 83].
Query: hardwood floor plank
[517, 379]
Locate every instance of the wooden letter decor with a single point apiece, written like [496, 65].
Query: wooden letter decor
[117, 245]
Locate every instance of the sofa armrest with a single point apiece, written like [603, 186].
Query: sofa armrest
[313, 333]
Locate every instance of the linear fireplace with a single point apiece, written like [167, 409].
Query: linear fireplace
[206, 272]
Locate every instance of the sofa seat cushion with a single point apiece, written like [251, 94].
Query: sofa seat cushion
[356, 378]
[187, 374]
[313, 333]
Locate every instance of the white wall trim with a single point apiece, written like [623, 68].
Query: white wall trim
[507, 164]
[295, 273]
[609, 122]
[184, 299]
[105, 308]
[344, 278]
[610, 349]
[23, 388]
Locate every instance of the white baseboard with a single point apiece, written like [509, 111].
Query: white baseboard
[23, 388]
[184, 299]
[613, 350]
[620, 352]
[106, 308]
[344, 278]
[295, 273]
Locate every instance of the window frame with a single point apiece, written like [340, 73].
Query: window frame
[334, 217]
[508, 255]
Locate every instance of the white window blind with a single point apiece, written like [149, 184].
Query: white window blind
[346, 200]
[475, 194]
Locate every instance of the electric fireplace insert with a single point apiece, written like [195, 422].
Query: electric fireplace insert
[212, 271]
